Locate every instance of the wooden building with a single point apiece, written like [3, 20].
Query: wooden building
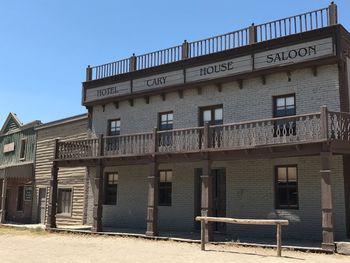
[249, 124]
[72, 183]
[17, 154]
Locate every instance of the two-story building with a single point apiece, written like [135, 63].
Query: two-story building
[249, 124]
[17, 154]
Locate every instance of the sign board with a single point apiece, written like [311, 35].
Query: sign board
[248, 63]
[28, 193]
[10, 147]
[158, 81]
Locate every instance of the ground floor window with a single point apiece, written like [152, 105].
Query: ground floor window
[286, 187]
[20, 198]
[165, 185]
[64, 201]
[111, 188]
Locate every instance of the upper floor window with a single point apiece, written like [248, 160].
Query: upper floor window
[213, 115]
[284, 106]
[286, 187]
[22, 154]
[114, 127]
[111, 188]
[166, 120]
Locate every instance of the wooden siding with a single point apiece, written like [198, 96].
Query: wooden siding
[67, 177]
[13, 158]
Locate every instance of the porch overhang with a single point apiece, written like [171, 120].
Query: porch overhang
[18, 171]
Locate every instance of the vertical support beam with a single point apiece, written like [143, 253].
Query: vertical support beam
[252, 34]
[279, 239]
[203, 234]
[152, 206]
[333, 14]
[207, 198]
[327, 203]
[324, 122]
[98, 199]
[52, 208]
[3, 199]
[185, 50]
[132, 65]
[88, 73]
[206, 137]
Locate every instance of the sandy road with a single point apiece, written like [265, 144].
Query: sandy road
[33, 247]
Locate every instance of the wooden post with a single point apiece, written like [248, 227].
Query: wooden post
[88, 73]
[185, 50]
[52, 207]
[203, 234]
[206, 198]
[327, 203]
[132, 65]
[206, 137]
[155, 141]
[279, 239]
[333, 14]
[98, 199]
[3, 199]
[152, 206]
[324, 122]
[252, 34]
[100, 145]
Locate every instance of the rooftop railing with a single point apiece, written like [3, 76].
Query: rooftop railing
[298, 129]
[255, 33]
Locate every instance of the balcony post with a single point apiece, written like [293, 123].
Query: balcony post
[88, 73]
[252, 34]
[98, 199]
[185, 50]
[324, 122]
[132, 65]
[3, 199]
[52, 207]
[100, 145]
[333, 14]
[152, 206]
[327, 202]
[207, 198]
[155, 141]
[206, 138]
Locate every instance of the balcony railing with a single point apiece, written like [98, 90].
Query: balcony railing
[306, 128]
[255, 33]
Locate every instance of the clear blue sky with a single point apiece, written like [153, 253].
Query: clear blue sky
[45, 45]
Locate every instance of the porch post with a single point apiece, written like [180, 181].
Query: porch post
[52, 208]
[327, 203]
[206, 198]
[152, 206]
[3, 199]
[98, 199]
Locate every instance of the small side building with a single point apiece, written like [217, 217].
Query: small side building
[72, 186]
[17, 152]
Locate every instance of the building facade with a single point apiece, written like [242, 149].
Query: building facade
[72, 185]
[249, 124]
[17, 154]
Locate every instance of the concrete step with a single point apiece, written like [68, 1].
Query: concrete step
[343, 247]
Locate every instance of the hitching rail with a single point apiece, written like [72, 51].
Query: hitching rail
[278, 223]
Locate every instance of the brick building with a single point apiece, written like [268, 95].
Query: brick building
[250, 124]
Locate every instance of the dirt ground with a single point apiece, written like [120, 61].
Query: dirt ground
[39, 246]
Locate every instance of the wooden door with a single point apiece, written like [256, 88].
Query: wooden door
[219, 197]
[42, 205]
[7, 203]
[197, 196]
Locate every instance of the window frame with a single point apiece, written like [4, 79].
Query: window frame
[212, 108]
[109, 133]
[107, 185]
[160, 114]
[278, 206]
[166, 188]
[65, 214]
[275, 98]
[23, 148]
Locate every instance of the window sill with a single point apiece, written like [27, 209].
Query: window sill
[287, 208]
[63, 215]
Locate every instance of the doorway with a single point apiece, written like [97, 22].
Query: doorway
[218, 197]
[42, 205]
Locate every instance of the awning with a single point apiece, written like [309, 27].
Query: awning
[17, 171]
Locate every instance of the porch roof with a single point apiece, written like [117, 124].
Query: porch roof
[23, 170]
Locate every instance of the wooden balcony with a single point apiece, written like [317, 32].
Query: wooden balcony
[320, 127]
